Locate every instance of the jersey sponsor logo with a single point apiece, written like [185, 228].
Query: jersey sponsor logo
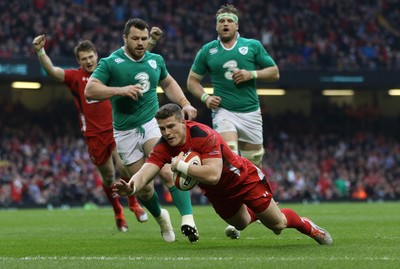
[243, 50]
[144, 81]
[213, 50]
[230, 67]
[119, 60]
[152, 63]
[85, 79]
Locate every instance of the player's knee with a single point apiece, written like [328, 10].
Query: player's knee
[255, 156]
[241, 226]
[107, 182]
[107, 177]
[123, 172]
[146, 192]
[233, 145]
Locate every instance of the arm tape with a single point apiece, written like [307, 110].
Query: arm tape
[182, 167]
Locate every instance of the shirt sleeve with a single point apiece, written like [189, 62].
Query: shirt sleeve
[263, 59]
[102, 72]
[159, 156]
[164, 71]
[68, 77]
[199, 65]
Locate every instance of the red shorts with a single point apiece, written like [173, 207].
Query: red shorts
[100, 147]
[256, 194]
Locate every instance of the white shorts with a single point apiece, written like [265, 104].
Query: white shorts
[248, 126]
[130, 143]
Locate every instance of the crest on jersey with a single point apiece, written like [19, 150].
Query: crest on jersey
[213, 50]
[243, 50]
[152, 63]
[119, 60]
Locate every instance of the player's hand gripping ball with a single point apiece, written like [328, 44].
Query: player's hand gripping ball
[185, 182]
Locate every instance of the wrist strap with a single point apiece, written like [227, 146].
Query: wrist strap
[182, 167]
[183, 102]
[41, 52]
[204, 97]
[152, 41]
[253, 74]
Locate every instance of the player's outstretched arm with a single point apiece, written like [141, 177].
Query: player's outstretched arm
[145, 175]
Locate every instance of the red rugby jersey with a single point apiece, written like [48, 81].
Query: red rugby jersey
[94, 116]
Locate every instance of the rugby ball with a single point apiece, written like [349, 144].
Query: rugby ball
[182, 181]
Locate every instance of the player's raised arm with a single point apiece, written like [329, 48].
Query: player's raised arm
[56, 73]
[155, 34]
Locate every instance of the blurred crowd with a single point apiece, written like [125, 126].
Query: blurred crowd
[44, 159]
[314, 34]
[333, 155]
[336, 153]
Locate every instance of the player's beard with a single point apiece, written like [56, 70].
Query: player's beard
[135, 54]
[227, 38]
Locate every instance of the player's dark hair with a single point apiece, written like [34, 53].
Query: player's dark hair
[137, 23]
[169, 110]
[85, 45]
[228, 8]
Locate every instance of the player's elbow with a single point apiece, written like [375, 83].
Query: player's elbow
[193, 81]
[275, 76]
[213, 178]
[189, 84]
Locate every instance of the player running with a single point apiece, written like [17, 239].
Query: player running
[95, 119]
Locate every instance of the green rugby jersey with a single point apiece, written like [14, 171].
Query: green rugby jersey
[219, 62]
[118, 70]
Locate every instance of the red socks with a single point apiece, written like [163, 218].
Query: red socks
[113, 200]
[294, 221]
[252, 215]
[132, 201]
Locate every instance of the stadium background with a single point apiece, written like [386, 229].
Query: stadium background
[319, 148]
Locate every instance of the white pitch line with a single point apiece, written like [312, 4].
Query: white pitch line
[143, 258]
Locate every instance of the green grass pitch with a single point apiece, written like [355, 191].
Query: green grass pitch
[366, 235]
